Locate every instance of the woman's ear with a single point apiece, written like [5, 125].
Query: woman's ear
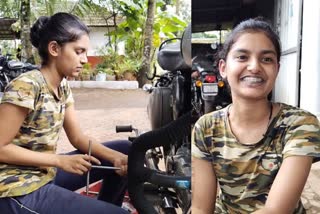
[222, 68]
[53, 48]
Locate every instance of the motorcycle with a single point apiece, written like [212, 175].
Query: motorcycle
[10, 69]
[154, 189]
[151, 189]
[210, 92]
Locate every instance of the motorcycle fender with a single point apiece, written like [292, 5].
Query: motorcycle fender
[160, 107]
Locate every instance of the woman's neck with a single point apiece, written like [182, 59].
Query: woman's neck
[250, 112]
[52, 76]
[249, 121]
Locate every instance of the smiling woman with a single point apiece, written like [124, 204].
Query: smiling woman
[38, 105]
[253, 147]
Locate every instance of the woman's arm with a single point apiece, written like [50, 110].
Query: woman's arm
[81, 142]
[78, 164]
[11, 119]
[204, 187]
[288, 185]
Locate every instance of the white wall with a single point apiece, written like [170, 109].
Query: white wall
[99, 40]
[310, 60]
[286, 88]
[287, 85]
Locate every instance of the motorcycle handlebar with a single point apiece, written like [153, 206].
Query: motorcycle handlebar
[138, 174]
[124, 128]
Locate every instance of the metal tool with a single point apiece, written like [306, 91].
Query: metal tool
[105, 167]
[88, 173]
[95, 167]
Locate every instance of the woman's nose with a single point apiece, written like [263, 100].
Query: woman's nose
[83, 58]
[254, 65]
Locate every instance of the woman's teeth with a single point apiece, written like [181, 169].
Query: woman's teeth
[252, 79]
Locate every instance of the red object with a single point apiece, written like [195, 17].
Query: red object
[95, 187]
[94, 60]
[210, 78]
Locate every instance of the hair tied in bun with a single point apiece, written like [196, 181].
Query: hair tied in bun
[37, 29]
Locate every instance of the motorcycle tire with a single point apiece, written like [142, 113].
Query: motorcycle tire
[183, 168]
[156, 199]
[208, 107]
[1, 87]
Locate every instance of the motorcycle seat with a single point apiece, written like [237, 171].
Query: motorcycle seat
[170, 57]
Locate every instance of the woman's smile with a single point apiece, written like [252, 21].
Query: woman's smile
[252, 80]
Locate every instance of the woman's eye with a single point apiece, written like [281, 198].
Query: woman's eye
[267, 59]
[241, 57]
[80, 51]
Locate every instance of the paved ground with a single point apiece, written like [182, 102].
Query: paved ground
[100, 110]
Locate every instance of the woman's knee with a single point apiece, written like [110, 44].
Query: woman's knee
[122, 146]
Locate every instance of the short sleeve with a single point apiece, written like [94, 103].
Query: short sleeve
[21, 92]
[199, 148]
[303, 137]
[68, 93]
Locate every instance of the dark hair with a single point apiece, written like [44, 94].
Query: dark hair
[61, 27]
[251, 25]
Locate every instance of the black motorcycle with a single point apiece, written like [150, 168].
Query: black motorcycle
[10, 69]
[209, 90]
[151, 189]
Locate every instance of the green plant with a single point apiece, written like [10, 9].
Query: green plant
[87, 66]
[110, 59]
[130, 65]
[86, 72]
[108, 71]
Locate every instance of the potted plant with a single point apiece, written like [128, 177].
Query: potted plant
[110, 74]
[86, 72]
[103, 71]
[129, 68]
[101, 75]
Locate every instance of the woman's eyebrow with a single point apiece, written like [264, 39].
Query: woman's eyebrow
[267, 51]
[242, 51]
[81, 49]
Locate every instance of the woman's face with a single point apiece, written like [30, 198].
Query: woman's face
[72, 56]
[251, 66]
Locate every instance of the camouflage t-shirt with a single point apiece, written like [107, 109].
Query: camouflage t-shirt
[39, 131]
[245, 173]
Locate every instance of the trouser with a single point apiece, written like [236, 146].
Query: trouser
[59, 196]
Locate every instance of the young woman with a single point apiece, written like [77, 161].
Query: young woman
[257, 153]
[35, 106]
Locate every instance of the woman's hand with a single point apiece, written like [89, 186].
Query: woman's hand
[77, 164]
[121, 161]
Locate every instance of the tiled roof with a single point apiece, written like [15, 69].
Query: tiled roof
[106, 21]
[5, 29]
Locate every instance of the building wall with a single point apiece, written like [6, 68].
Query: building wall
[310, 57]
[298, 82]
[97, 39]
[288, 21]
